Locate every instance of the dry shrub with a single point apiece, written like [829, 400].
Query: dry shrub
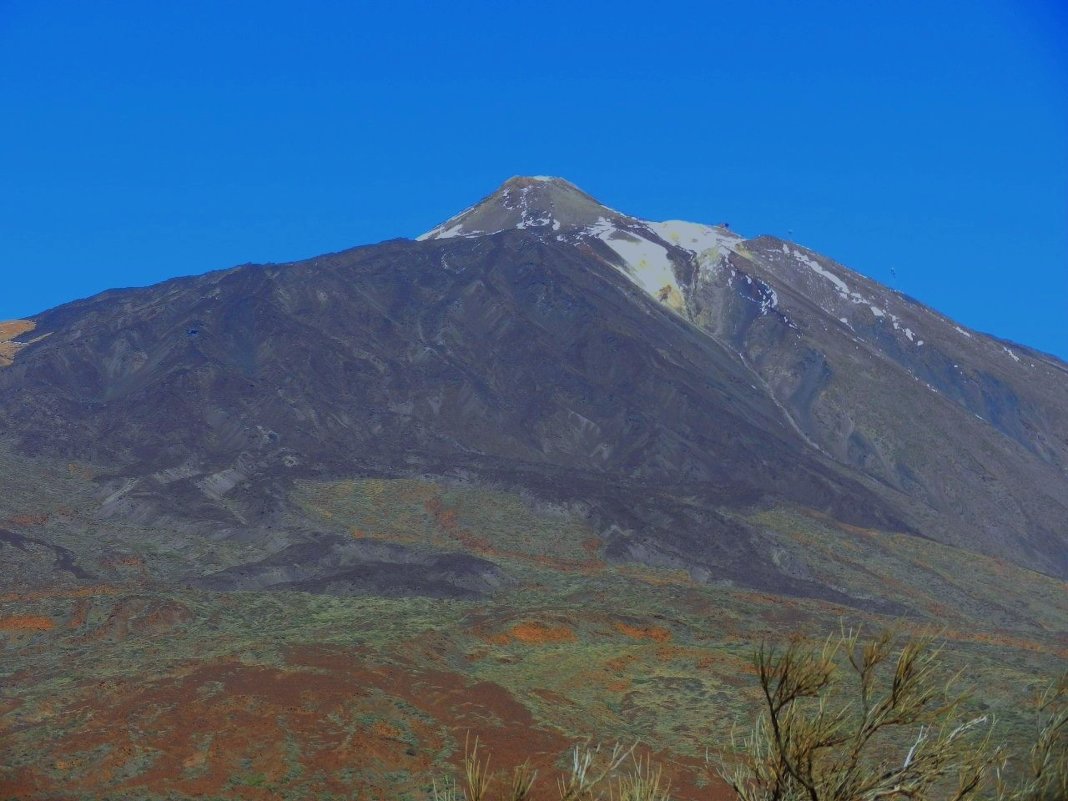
[844, 720]
[860, 721]
[1043, 773]
[593, 774]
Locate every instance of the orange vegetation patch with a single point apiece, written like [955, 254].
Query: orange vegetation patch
[61, 592]
[79, 614]
[8, 332]
[1005, 640]
[142, 615]
[621, 662]
[539, 633]
[124, 564]
[81, 471]
[385, 730]
[33, 519]
[326, 722]
[123, 560]
[26, 623]
[656, 576]
[447, 521]
[224, 729]
[655, 633]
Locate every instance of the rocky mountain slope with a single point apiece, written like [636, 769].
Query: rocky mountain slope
[965, 431]
[545, 475]
[662, 379]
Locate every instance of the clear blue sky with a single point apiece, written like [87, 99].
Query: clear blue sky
[140, 141]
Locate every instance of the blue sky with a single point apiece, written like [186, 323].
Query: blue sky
[140, 141]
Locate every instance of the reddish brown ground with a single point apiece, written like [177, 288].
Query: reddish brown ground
[447, 520]
[8, 331]
[655, 633]
[35, 519]
[61, 592]
[143, 615]
[123, 560]
[12, 328]
[1006, 640]
[536, 633]
[533, 634]
[326, 722]
[308, 722]
[26, 623]
[79, 614]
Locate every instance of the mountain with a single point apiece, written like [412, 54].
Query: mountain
[964, 435]
[660, 375]
[545, 473]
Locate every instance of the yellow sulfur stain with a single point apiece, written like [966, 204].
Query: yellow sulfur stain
[670, 296]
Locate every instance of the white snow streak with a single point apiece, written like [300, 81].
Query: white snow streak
[696, 238]
[646, 262]
[848, 294]
[815, 266]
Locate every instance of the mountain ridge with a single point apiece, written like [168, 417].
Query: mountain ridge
[792, 379]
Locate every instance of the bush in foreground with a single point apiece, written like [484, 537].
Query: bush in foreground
[592, 774]
[844, 720]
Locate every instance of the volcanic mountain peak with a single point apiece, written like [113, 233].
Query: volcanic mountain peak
[526, 202]
[646, 252]
[702, 401]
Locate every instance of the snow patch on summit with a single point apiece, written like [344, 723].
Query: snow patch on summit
[645, 262]
[710, 246]
[511, 207]
[527, 218]
[700, 240]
